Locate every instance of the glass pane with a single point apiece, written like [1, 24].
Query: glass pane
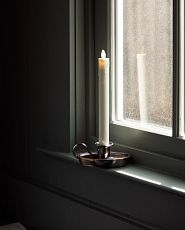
[144, 33]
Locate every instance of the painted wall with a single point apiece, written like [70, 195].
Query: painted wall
[36, 86]
[48, 193]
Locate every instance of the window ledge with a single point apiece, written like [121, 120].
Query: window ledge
[158, 179]
[135, 172]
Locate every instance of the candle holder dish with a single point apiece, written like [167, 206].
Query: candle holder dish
[103, 157]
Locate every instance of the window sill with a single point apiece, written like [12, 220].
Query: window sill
[133, 194]
[154, 178]
[135, 172]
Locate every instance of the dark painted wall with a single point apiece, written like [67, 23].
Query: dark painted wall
[36, 87]
[53, 193]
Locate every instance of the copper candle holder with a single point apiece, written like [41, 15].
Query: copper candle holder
[103, 157]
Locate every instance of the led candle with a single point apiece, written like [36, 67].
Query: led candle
[141, 72]
[103, 67]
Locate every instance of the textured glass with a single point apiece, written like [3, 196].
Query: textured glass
[147, 61]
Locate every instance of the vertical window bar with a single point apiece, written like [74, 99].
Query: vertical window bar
[176, 20]
[181, 86]
[119, 60]
[112, 66]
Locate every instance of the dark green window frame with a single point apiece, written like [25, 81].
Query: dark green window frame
[149, 149]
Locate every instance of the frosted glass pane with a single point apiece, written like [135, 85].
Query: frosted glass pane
[147, 61]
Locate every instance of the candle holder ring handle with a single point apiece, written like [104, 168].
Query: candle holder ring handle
[80, 149]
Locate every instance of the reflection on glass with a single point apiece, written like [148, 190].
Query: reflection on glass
[147, 61]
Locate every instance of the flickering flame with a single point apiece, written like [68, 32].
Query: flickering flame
[103, 54]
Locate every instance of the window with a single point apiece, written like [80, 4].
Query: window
[145, 42]
[143, 64]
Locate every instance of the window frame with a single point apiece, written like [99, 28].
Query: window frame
[176, 67]
[149, 149]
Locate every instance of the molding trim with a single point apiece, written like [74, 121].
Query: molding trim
[124, 217]
[72, 59]
[80, 72]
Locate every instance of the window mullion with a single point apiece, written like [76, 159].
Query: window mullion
[119, 60]
[176, 20]
[181, 69]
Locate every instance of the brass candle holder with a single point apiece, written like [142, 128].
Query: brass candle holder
[103, 157]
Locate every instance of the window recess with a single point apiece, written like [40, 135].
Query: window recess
[147, 75]
[145, 42]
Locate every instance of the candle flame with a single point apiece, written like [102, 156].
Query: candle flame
[103, 54]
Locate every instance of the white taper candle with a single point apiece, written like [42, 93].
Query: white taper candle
[103, 66]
